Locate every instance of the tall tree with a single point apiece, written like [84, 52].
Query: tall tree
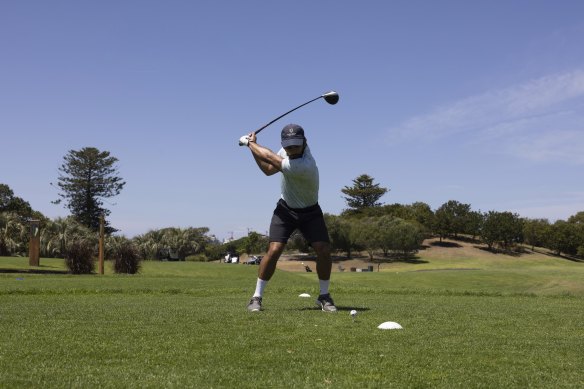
[564, 238]
[339, 229]
[503, 228]
[577, 218]
[86, 177]
[450, 218]
[536, 232]
[366, 234]
[578, 221]
[11, 203]
[364, 193]
[422, 214]
[255, 243]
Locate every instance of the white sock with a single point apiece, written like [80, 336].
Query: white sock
[260, 286]
[324, 286]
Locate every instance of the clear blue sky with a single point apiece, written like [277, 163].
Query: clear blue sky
[476, 101]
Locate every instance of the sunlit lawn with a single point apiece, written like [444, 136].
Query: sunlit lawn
[185, 325]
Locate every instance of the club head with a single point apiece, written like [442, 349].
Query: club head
[331, 97]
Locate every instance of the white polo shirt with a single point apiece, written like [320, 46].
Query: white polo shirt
[299, 182]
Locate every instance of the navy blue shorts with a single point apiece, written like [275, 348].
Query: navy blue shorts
[309, 221]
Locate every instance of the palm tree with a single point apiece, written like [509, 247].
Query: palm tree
[59, 233]
[181, 242]
[13, 234]
[149, 244]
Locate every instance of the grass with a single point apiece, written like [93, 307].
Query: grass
[512, 324]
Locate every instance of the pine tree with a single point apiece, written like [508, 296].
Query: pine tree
[363, 193]
[86, 177]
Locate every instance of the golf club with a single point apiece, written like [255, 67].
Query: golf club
[331, 97]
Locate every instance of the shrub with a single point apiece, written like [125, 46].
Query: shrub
[297, 242]
[197, 258]
[79, 257]
[126, 259]
[214, 252]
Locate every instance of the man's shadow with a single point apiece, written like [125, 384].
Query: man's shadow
[339, 308]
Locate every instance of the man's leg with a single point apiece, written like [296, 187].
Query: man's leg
[269, 261]
[324, 266]
[265, 272]
[324, 263]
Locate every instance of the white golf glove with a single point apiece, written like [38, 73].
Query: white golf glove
[244, 140]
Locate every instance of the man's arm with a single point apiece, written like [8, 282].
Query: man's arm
[269, 162]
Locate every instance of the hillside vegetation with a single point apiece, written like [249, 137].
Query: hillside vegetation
[462, 265]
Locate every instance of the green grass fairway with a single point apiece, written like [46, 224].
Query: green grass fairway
[183, 324]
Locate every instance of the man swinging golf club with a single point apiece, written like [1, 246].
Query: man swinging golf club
[297, 208]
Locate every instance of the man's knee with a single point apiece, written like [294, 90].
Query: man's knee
[322, 249]
[275, 249]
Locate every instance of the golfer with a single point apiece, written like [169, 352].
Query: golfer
[297, 209]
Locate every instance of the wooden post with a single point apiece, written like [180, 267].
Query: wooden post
[101, 238]
[34, 248]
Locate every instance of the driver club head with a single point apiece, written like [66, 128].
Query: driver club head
[331, 97]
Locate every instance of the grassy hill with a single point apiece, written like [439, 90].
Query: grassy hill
[460, 265]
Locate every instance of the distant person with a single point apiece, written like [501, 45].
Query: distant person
[297, 208]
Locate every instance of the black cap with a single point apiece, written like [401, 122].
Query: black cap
[292, 135]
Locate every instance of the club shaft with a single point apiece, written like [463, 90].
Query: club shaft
[281, 116]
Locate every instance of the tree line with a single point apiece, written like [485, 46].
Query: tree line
[88, 176]
[398, 229]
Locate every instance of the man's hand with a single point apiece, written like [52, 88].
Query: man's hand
[252, 137]
[244, 140]
[247, 139]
